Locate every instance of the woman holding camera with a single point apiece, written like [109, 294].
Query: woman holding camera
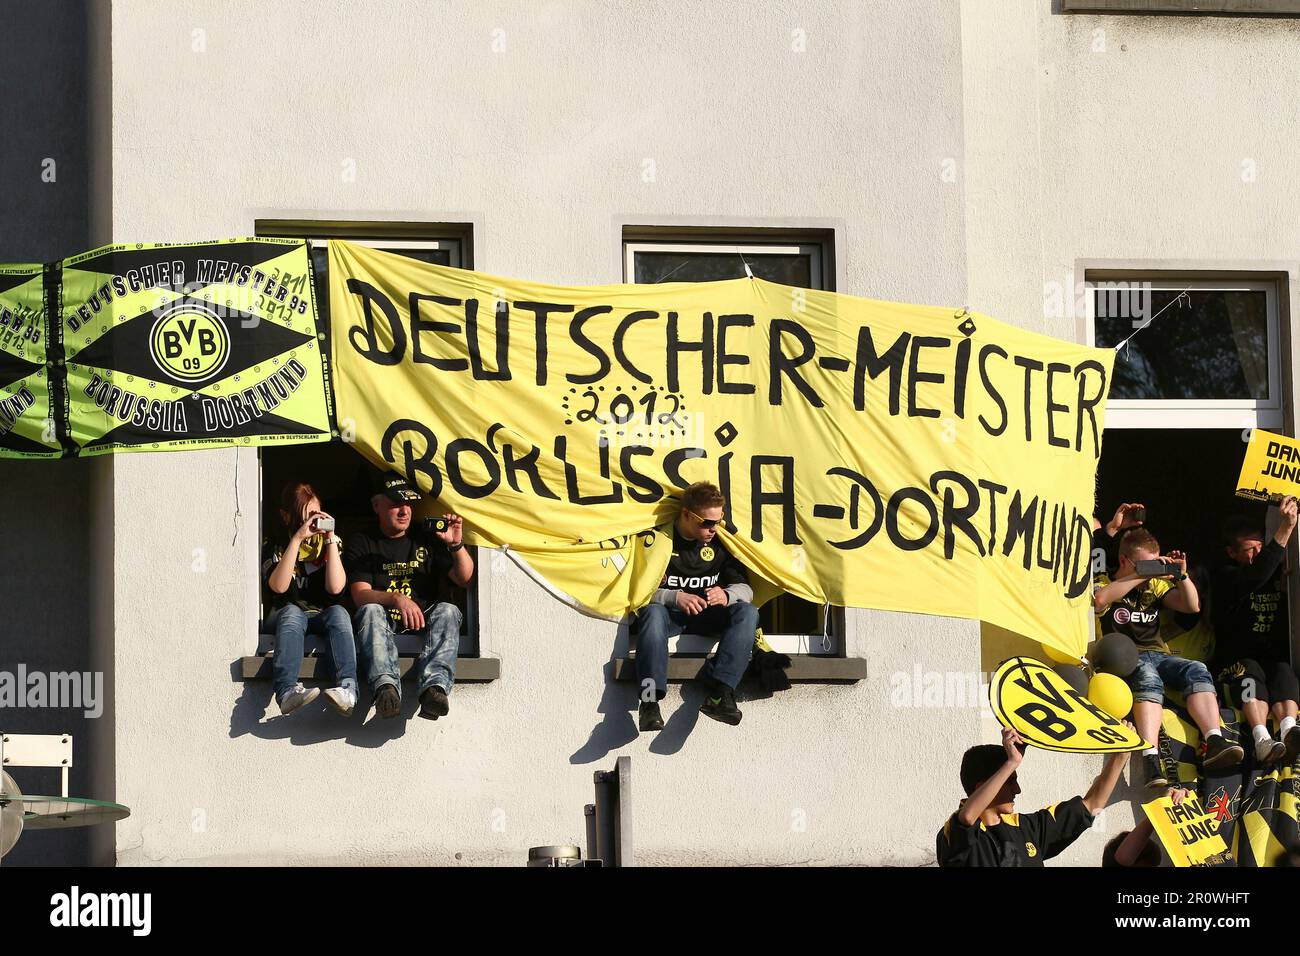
[304, 580]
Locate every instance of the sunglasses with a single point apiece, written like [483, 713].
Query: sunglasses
[704, 522]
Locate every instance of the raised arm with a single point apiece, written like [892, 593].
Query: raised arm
[979, 801]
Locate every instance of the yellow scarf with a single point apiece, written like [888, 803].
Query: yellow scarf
[312, 551]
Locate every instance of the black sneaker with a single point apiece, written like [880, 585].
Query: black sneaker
[434, 703]
[1156, 779]
[720, 704]
[1217, 752]
[388, 702]
[648, 716]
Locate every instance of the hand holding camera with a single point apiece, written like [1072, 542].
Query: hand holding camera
[1172, 565]
[446, 528]
[1127, 515]
[318, 522]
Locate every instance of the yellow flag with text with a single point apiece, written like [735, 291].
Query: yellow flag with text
[873, 454]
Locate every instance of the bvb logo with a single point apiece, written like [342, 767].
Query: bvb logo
[1031, 850]
[706, 553]
[189, 343]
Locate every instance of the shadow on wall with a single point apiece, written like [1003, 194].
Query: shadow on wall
[44, 535]
[618, 709]
[46, 597]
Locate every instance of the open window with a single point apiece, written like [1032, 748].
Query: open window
[1199, 365]
[336, 471]
[796, 258]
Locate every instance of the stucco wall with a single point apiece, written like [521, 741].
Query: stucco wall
[542, 142]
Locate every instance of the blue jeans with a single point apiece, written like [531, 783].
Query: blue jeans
[1155, 670]
[656, 623]
[436, 664]
[292, 624]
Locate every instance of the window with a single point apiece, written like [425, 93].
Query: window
[1202, 368]
[1247, 8]
[790, 624]
[337, 472]
[1197, 353]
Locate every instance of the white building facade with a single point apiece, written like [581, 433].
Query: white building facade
[993, 153]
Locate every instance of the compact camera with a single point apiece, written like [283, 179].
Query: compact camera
[438, 524]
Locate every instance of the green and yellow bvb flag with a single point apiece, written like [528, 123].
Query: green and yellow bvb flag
[184, 346]
[27, 428]
[873, 454]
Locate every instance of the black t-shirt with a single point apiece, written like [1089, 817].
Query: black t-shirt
[1019, 839]
[695, 566]
[307, 585]
[1250, 611]
[415, 565]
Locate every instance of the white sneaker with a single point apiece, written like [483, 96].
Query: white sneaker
[296, 696]
[340, 699]
[1269, 750]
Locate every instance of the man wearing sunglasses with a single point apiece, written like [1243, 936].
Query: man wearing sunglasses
[705, 590]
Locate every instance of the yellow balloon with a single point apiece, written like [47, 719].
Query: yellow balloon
[1111, 694]
[1059, 656]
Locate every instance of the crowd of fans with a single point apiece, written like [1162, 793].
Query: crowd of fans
[1211, 637]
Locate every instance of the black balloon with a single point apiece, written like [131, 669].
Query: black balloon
[1074, 675]
[1114, 654]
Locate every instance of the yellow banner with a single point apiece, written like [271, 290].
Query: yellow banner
[1189, 835]
[1271, 468]
[873, 454]
[1032, 699]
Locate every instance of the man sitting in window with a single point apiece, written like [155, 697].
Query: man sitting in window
[1252, 656]
[705, 590]
[395, 577]
[1131, 605]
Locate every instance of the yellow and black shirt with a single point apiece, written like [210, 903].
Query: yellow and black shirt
[307, 586]
[1137, 614]
[1018, 839]
[414, 564]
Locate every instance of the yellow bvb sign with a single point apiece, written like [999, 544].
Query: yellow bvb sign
[1032, 699]
[873, 454]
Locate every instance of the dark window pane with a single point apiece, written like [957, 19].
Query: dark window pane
[651, 267]
[1203, 344]
[788, 614]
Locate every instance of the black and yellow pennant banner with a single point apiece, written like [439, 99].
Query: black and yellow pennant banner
[162, 347]
[27, 425]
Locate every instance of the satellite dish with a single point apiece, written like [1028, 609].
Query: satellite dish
[55, 813]
[19, 811]
[11, 813]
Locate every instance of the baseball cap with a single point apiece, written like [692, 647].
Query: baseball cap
[396, 487]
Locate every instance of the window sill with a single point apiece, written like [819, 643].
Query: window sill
[469, 670]
[804, 668]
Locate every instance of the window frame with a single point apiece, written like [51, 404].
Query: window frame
[830, 640]
[813, 250]
[1268, 413]
[456, 239]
